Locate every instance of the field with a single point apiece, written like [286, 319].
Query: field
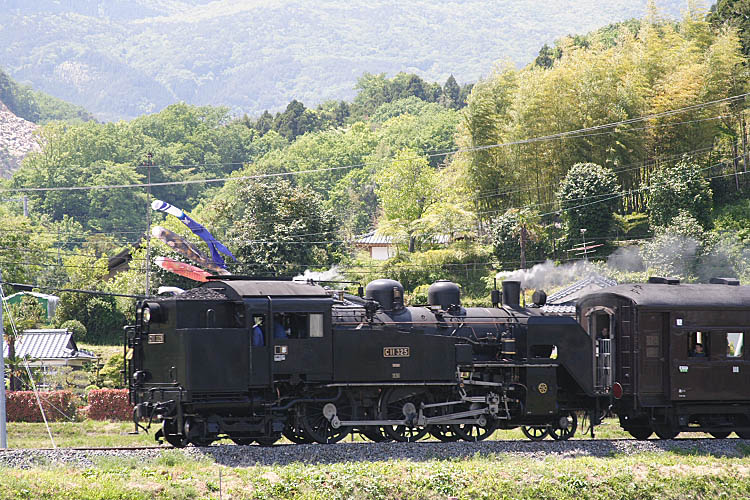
[174, 475]
[698, 469]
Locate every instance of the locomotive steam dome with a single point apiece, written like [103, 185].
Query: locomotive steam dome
[388, 293]
[444, 293]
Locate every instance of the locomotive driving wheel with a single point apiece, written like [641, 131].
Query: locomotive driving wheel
[720, 434]
[169, 431]
[565, 426]
[295, 432]
[404, 403]
[320, 420]
[535, 433]
[479, 431]
[664, 431]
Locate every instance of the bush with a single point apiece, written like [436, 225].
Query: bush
[677, 189]
[589, 194]
[22, 406]
[75, 326]
[109, 404]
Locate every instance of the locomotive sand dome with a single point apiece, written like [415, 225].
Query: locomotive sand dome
[250, 360]
[444, 293]
[388, 293]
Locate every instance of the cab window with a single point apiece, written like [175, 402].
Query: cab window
[298, 325]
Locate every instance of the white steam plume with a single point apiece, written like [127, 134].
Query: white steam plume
[331, 275]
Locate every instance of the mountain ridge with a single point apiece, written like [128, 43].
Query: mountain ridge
[119, 64]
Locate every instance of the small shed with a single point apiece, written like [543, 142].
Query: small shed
[50, 348]
[48, 302]
[563, 302]
[380, 247]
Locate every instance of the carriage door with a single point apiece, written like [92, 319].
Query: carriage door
[654, 343]
[601, 328]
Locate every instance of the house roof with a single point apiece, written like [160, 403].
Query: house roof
[48, 344]
[373, 238]
[564, 301]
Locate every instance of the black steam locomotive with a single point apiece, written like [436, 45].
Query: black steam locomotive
[253, 360]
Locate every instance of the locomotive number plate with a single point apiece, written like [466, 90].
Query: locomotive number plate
[155, 338]
[396, 352]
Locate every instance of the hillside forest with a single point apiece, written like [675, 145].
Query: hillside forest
[631, 140]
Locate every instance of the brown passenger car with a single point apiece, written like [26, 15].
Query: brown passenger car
[678, 360]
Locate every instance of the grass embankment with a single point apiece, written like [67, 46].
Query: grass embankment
[646, 475]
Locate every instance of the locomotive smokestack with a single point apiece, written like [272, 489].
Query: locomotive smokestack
[512, 293]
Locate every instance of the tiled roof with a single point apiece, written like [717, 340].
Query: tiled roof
[48, 344]
[563, 303]
[373, 238]
[572, 292]
[559, 309]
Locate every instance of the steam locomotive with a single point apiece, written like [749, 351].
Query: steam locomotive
[252, 360]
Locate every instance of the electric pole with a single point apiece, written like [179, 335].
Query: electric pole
[3, 417]
[148, 229]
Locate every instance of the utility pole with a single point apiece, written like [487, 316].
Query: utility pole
[3, 417]
[148, 229]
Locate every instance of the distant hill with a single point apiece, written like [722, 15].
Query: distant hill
[122, 58]
[21, 110]
[37, 107]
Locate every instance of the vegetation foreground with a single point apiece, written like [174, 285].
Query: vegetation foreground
[173, 475]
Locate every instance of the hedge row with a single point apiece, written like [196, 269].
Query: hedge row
[104, 404]
[109, 404]
[22, 406]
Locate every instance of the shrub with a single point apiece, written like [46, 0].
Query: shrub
[109, 404]
[589, 194]
[75, 326]
[676, 189]
[22, 406]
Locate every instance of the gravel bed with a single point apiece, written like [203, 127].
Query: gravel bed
[248, 456]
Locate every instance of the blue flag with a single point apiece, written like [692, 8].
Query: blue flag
[213, 244]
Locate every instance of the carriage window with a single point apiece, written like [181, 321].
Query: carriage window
[699, 345]
[316, 325]
[734, 344]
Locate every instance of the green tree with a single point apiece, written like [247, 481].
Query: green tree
[736, 13]
[451, 93]
[681, 187]
[588, 196]
[26, 315]
[406, 188]
[98, 313]
[273, 227]
[507, 232]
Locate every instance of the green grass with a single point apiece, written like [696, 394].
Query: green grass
[89, 433]
[500, 476]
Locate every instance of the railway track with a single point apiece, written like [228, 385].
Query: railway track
[230, 455]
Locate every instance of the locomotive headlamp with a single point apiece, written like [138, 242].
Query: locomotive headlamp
[151, 313]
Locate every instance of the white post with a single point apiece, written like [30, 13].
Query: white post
[3, 430]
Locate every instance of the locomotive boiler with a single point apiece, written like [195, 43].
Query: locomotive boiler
[252, 360]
